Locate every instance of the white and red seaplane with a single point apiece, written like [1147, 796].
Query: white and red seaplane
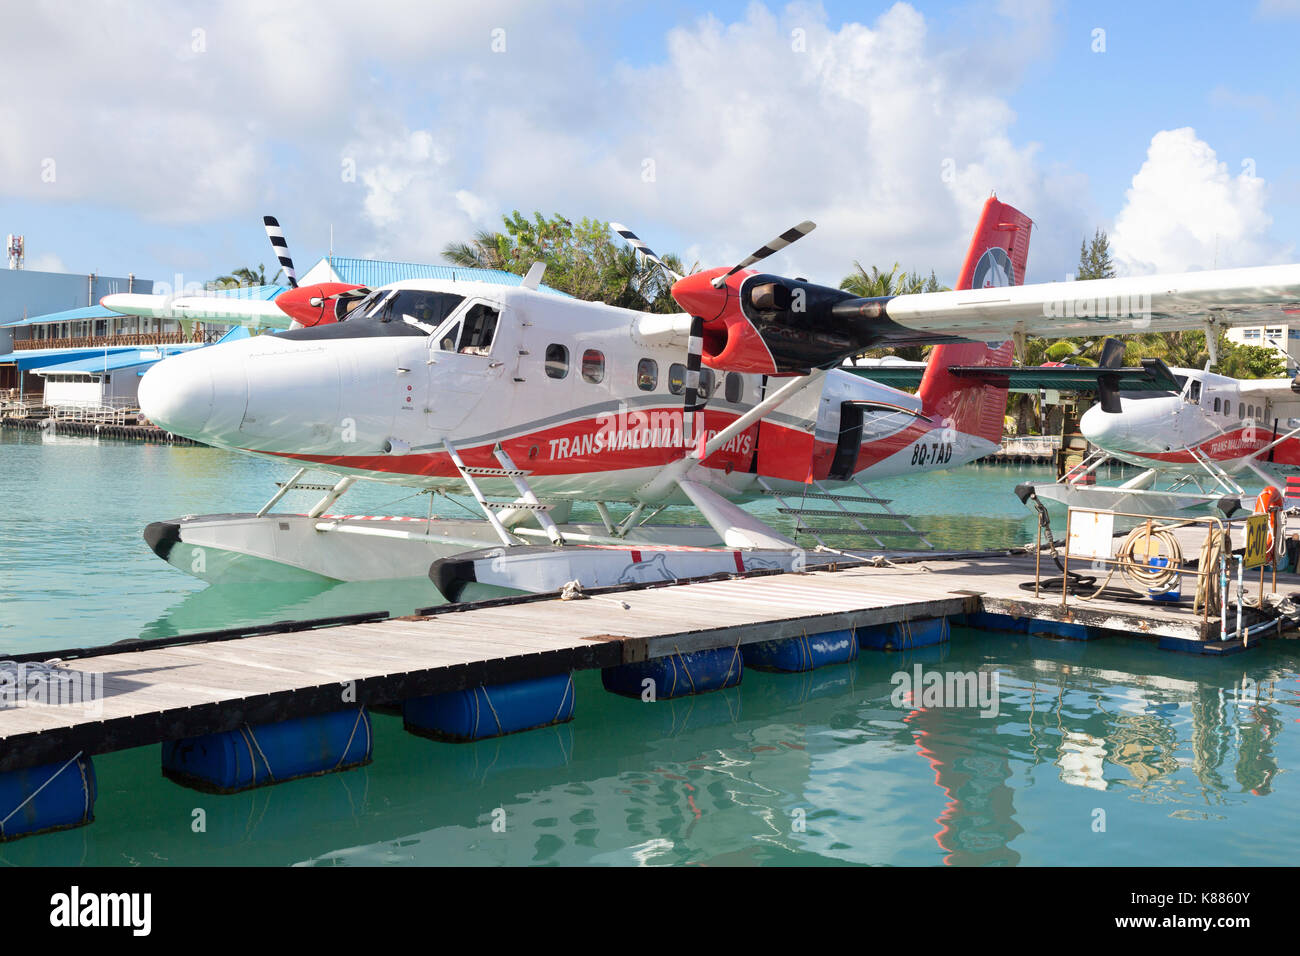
[530, 401]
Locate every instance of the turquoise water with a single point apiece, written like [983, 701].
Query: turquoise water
[1106, 753]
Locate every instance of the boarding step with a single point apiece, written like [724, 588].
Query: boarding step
[792, 504]
[844, 498]
[494, 472]
[842, 514]
[873, 532]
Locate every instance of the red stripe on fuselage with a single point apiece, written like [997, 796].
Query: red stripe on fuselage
[604, 444]
[1230, 446]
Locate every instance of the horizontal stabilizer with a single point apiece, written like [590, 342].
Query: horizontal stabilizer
[1152, 376]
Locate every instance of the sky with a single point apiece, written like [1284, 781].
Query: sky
[150, 138]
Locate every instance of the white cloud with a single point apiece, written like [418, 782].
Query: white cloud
[45, 262]
[1186, 210]
[739, 134]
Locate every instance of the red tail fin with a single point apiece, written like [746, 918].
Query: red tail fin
[997, 256]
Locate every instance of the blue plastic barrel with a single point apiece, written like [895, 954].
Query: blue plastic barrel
[270, 753]
[677, 675]
[802, 653]
[479, 712]
[901, 634]
[53, 796]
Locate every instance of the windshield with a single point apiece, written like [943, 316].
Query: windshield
[425, 310]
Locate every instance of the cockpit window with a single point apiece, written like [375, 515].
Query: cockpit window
[1194, 393]
[425, 310]
[478, 329]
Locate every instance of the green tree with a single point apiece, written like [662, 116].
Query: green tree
[1094, 258]
[487, 250]
[243, 276]
[860, 282]
[583, 259]
[1250, 361]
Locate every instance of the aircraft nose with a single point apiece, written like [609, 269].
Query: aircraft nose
[177, 395]
[1100, 427]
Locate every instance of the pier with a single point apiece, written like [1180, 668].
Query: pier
[190, 686]
[120, 425]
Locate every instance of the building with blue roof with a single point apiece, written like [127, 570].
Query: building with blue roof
[58, 315]
[376, 272]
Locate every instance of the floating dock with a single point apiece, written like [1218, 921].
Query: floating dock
[234, 683]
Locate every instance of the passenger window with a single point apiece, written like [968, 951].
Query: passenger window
[706, 383]
[1227, 408]
[593, 366]
[735, 387]
[647, 375]
[1216, 404]
[557, 361]
[478, 329]
[677, 378]
[1241, 411]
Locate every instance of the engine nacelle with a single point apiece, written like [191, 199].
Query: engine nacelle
[772, 325]
[318, 304]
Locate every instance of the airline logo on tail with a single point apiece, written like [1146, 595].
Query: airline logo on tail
[994, 270]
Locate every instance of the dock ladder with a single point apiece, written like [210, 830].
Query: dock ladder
[865, 522]
[526, 499]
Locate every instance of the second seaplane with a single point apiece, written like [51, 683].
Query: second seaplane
[528, 402]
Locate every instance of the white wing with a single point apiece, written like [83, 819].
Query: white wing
[257, 313]
[1256, 296]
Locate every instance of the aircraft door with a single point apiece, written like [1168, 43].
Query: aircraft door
[465, 367]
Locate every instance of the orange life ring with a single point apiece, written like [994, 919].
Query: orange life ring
[1270, 502]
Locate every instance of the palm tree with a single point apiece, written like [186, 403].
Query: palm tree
[241, 277]
[487, 250]
[877, 283]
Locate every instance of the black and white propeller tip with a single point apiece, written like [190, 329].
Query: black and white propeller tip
[793, 234]
[636, 243]
[281, 247]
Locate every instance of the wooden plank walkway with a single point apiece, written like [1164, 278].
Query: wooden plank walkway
[155, 693]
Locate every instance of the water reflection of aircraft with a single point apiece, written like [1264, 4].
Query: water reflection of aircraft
[226, 605]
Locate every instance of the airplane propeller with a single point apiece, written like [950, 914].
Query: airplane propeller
[794, 234]
[281, 247]
[695, 342]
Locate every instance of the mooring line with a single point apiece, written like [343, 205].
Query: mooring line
[32, 795]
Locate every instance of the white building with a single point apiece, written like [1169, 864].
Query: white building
[1284, 339]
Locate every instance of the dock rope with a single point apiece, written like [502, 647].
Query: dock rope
[361, 711]
[250, 740]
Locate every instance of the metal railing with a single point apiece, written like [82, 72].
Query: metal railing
[112, 341]
[1144, 569]
[112, 413]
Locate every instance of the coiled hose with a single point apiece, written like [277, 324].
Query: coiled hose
[1139, 573]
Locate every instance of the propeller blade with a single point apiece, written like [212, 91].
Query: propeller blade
[776, 245]
[1112, 356]
[632, 240]
[281, 247]
[692, 405]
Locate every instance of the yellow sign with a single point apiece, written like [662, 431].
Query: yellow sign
[1256, 540]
